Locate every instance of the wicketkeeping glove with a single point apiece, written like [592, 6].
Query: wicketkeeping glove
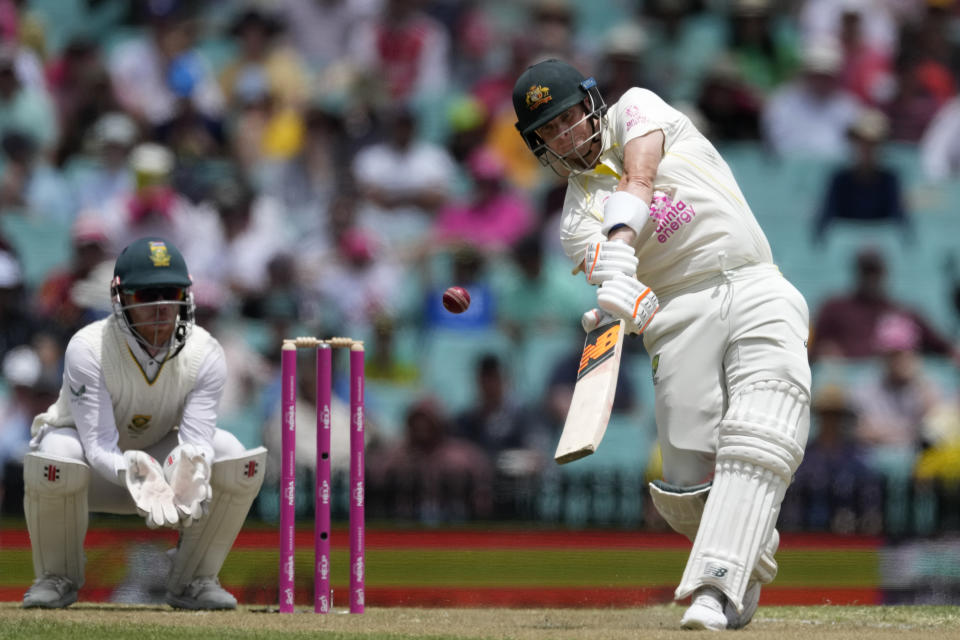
[188, 473]
[628, 299]
[607, 258]
[150, 492]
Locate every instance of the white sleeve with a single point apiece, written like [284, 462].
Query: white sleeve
[641, 111]
[578, 229]
[92, 410]
[199, 422]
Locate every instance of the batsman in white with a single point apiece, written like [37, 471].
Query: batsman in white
[140, 386]
[650, 204]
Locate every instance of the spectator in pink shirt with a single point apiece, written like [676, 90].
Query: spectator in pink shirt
[496, 217]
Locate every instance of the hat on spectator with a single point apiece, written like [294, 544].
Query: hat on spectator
[114, 128]
[627, 40]
[22, 366]
[823, 55]
[152, 159]
[870, 126]
[831, 398]
[11, 276]
[256, 17]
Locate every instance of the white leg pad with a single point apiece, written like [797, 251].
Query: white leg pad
[681, 507]
[55, 507]
[204, 546]
[760, 445]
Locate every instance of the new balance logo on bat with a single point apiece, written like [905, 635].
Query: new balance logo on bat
[600, 345]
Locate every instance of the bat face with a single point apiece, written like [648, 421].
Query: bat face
[593, 394]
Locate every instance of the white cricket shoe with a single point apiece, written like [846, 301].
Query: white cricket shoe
[751, 598]
[706, 611]
[202, 593]
[50, 592]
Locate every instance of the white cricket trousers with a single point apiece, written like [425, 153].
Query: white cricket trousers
[708, 341]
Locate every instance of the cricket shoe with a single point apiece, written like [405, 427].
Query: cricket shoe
[706, 611]
[202, 594]
[50, 592]
[751, 598]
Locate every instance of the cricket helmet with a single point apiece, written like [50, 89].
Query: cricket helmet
[152, 273]
[543, 92]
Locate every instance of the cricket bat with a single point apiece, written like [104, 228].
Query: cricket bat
[593, 394]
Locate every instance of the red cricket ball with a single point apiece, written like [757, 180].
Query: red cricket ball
[456, 300]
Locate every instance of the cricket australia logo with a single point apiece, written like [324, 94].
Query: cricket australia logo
[78, 392]
[138, 424]
[537, 95]
[159, 255]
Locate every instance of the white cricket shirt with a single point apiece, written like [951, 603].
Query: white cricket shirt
[699, 224]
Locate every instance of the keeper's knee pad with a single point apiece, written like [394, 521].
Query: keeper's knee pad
[56, 511]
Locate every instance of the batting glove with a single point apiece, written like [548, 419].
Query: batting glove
[626, 298]
[606, 258]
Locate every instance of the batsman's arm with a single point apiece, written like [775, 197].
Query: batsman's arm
[627, 212]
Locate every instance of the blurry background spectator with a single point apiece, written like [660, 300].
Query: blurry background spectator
[865, 190]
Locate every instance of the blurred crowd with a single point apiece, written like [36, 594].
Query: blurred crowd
[328, 167]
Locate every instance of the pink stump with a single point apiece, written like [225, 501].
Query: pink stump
[357, 567]
[322, 597]
[288, 471]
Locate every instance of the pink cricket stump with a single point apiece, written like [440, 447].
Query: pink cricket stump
[288, 471]
[322, 597]
[356, 480]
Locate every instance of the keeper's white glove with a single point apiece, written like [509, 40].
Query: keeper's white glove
[626, 298]
[188, 473]
[150, 492]
[606, 258]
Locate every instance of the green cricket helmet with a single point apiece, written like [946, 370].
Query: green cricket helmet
[151, 273]
[543, 92]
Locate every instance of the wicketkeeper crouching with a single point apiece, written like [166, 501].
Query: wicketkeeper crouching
[140, 387]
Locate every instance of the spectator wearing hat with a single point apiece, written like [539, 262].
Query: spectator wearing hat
[23, 108]
[893, 406]
[834, 489]
[154, 207]
[30, 184]
[495, 217]
[730, 107]
[811, 114]
[104, 173]
[846, 324]
[865, 190]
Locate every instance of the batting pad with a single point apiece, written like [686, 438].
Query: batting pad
[205, 544]
[681, 507]
[760, 445]
[55, 507]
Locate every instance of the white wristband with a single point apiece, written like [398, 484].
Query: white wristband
[624, 208]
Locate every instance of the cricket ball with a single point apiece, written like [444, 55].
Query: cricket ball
[456, 300]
